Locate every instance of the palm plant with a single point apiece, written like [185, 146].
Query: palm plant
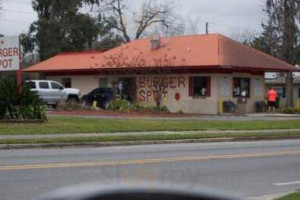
[19, 102]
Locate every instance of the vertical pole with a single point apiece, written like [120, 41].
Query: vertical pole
[206, 28]
[19, 77]
[19, 72]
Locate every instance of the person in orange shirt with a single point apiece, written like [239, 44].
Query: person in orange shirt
[272, 97]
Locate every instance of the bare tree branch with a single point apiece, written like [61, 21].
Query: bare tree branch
[151, 13]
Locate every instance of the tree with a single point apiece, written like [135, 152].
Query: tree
[62, 27]
[261, 44]
[245, 36]
[282, 32]
[151, 13]
[107, 38]
[181, 25]
[0, 16]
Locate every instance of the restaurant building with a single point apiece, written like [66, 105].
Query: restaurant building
[192, 74]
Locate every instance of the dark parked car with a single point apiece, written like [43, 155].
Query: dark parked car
[100, 95]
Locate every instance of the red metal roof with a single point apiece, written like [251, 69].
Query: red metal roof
[197, 51]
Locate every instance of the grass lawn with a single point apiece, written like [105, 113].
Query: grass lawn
[293, 196]
[57, 125]
[150, 137]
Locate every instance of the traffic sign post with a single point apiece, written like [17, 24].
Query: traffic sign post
[19, 72]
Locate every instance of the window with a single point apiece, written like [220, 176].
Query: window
[280, 91]
[95, 91]
[66, 82]
[44, 85]
[199, 86]
[56, 86]
[31, 85]
[103, 82]
[299, 92]
[241, 87]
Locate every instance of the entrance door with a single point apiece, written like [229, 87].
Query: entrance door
[129, 88]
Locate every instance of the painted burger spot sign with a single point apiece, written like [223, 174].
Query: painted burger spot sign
[147, 86]
[9, 53]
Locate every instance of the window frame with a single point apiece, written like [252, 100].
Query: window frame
[42, 82]
[192, 86]
[239, 79]
[283, 93]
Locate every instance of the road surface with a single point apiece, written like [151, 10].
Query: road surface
[243, 169]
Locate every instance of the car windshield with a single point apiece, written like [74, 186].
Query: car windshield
[96, 91]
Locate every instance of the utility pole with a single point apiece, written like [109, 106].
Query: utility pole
[206, 28]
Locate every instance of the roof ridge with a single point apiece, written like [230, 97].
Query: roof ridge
[182, 36]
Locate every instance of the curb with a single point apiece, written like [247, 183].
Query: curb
[132, 143]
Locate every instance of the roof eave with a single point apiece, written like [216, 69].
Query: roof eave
[225, 67]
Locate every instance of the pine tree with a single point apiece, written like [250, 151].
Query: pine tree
[282, 33]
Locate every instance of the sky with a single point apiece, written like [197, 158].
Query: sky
[229, 17]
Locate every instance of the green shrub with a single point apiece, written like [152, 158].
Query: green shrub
[19, 102]
[124, 105]
[291, 111]
[121, 105]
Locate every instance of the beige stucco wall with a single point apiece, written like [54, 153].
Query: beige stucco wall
[178, 83]
[84, 83]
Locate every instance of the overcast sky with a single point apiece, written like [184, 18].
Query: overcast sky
[225, 16]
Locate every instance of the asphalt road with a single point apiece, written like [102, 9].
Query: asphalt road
[243, 169]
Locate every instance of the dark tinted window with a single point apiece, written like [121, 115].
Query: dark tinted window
[200, 86]
[280, 91]
[44, 85]
[102, 91]
[67, 82]
[31, 85]
[299, 92]
[56, 86]
[108, 91]
[103, 82]
[241, 87]
[95, 91]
